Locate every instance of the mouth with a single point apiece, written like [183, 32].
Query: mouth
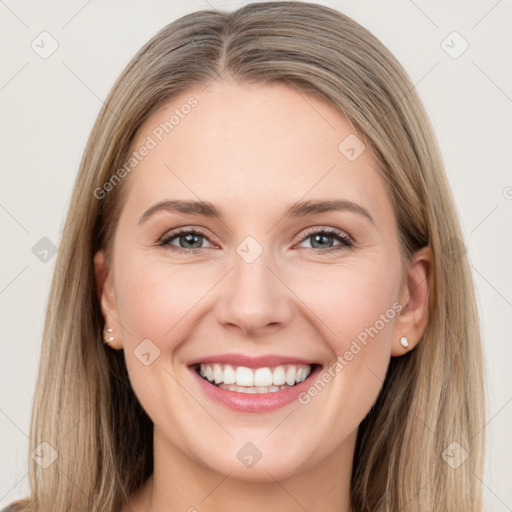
[242, 379]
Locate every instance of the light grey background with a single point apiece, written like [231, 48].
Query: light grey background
[48, 107]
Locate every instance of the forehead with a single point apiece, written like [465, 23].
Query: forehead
[252, 145]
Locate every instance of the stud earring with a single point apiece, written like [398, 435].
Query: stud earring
[109, 339]
[404, 341]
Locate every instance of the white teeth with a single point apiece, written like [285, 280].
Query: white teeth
[244, 376]
[229, 375]
[267, 379]
[263, 377]
[253, 390]
[218, 374]
[290, 376]
[278, 376]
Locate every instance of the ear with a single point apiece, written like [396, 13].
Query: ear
[105, 287]
[414, 298]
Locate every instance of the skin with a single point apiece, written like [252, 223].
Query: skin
[252, 150]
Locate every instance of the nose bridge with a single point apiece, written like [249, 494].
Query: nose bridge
[253, 297]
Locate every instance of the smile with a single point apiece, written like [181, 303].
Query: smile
[254, 380]
[253, 383]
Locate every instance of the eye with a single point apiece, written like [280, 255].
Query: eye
[322, 238]
[188, 240]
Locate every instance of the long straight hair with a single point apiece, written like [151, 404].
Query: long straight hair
[432, 397]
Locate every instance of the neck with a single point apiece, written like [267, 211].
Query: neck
[180, 483]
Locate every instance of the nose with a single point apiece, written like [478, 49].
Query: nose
[253, 298]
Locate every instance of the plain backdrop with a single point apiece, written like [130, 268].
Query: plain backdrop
[48, 106]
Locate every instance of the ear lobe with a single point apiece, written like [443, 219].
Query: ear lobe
[417, 288]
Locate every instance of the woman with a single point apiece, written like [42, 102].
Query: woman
[256, 367]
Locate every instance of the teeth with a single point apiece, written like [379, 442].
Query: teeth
[253, 390]
[263, 377]
[290, 376]
[278, 376]
[267, 379]
[218, 374]
[229, 376]
[244, 376]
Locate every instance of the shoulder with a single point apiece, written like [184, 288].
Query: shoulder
[19, 505]
[10, 508]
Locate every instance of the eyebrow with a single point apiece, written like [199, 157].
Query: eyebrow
[298, 209]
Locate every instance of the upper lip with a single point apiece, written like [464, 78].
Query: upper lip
[251, 361]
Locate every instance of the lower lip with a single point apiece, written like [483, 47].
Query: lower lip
[255, 402]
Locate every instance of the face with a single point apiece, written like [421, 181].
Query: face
[251, 289]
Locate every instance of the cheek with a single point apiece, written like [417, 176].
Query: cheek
[357, 307]
[356, 302]
[155, 300]
[359, 311]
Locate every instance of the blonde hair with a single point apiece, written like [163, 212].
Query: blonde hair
[433, 396]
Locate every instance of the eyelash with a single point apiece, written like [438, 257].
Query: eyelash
[346, 242]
